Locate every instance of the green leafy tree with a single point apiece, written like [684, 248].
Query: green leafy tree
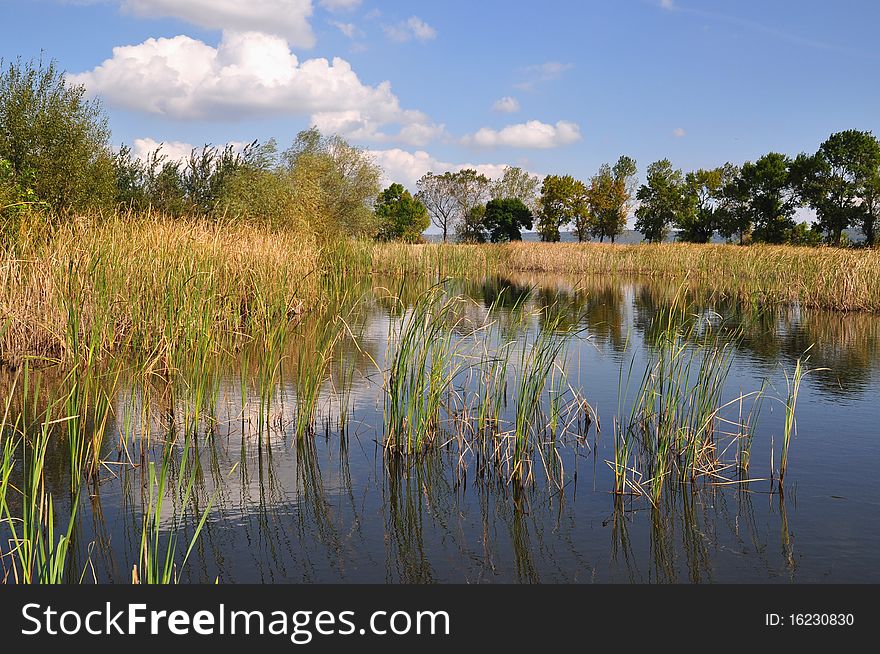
[838, 182]
[772, 202]
[805, 235]
[610, 198]
[338, 183]
[505, 219]
[702, 210]
[563, 201]
[472, 227]
[400, 217]
[661, 201]
[55, 141]
[517, 184]
[734, 215]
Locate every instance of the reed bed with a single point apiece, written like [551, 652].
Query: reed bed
[826, 278]
[149, 287]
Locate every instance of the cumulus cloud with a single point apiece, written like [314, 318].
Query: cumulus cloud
[250, 74]
[407, 168]
[667, 4]
[173, 150]
[412, 28]
[506, 105]
[533, 134]
[285, 18]
[679, 132]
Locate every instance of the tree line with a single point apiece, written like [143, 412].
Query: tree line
[56, 159]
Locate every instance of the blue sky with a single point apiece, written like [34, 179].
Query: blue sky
[421, 84]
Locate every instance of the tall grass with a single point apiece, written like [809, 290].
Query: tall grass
[828, 278]
[422, 365]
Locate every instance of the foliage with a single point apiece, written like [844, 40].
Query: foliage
[338, 181]
[772, 203]
[563, 200]
[840, 182]
[610, 197]
[504, 219]
[805, 234]
[517, 184]
[55, 141]
[661, 201]
[472, 228]
[400, 217]
[704, 204]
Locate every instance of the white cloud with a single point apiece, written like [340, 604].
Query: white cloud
[408, 167]
[250, 74]
[506, 105]
[286, 18]
[173, 150]
[533, 134]
[340, 5]
[546, 72]
[412, 28]
[679, 132]
[667, 4]
[348, 29]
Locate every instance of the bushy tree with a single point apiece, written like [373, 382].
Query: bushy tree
[517, 184]
[838, 182]
[610, 198]
[400, 216]
[563, 201]
[772, 202]
[336, 181]
[505, 219]
[472, 228]
[703, 207]
[55, 141]
[661, 201]
[734, 216]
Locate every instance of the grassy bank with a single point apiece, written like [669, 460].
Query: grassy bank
[826, 278]
[149, 286]
[155, 287]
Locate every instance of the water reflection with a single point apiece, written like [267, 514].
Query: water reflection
[329, 507]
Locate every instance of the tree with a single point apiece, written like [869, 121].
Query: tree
[838, 182]
[772, 203]
[661, 201]
[470, 190]
[504, 219]
[562, 201]
[734, 215]
[399, 216]
[610, 197]
[451, 198]
[472, 227]
[436, 194]
[338, 182]
[517, 184]
[55, 141]
[703, 204]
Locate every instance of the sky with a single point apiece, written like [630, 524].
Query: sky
[556, 87]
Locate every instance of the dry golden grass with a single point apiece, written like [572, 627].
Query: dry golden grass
[828, 278]
[148, 284]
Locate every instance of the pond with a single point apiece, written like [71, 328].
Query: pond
[324, 500]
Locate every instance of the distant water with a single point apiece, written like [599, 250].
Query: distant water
[631, 237]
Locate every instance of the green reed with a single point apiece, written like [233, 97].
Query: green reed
[157, 560]
[423, 363]
[39, 545]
